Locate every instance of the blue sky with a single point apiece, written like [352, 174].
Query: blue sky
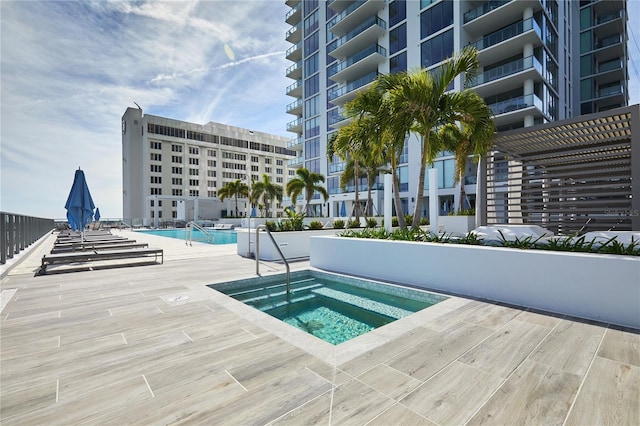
[70, 69]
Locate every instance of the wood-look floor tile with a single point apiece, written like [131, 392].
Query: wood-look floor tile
[267, 403]
[387, 351]
[539, 318]
[181, 404]
[621, 345]
[502, 352]
[89, 406]
[534, 394]
[609, 395]
[491, 315]
[399, 415]
[389, 381]
[355, 403]
[453, 395]
[23, 401]
[315, 412]
[253, 374]
[570, 346]
[427, 358]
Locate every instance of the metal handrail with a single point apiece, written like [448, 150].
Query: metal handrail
[188, 233]
[258, 228]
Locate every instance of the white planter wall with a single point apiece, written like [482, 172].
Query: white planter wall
[294, 244]
[600, 287]
[456, 225]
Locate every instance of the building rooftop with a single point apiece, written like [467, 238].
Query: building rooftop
[154, 344]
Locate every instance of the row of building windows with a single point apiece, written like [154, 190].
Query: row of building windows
[234, 156]
[222, 140]
[234, 166]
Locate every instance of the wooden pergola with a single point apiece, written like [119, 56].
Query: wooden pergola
[572, 176]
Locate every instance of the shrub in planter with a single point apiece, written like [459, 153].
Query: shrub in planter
[353, 224]
[271, 225]
[424, 221]
[394, 221]
[338, 224]
[315, 224]
[372, 222]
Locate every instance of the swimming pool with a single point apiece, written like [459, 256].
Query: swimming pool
[334, 308]
[219, 236]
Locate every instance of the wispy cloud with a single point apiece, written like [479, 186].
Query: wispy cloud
[70, 69]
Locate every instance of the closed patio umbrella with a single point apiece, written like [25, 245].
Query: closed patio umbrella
[343, 209]
[79, 203]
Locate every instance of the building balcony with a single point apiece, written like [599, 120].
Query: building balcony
[295, 71]
[294, 53]
[494, 15]
[483, 9]
[294, 34]
[507, 77]
[357, 12]
[344, 93]
[292, 3]
[295, 108]
[295, 144]
[508, 41]
[295, 125]
[338, 5]
[357, 65]
[295, 89]
[515, 109]
[296, 162]
[294, 15]
[360, 37]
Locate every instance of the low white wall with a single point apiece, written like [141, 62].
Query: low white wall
[294, 244]
[594, 286]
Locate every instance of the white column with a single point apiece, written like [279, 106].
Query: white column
[434, 210]
[388, 198]
[155, 211]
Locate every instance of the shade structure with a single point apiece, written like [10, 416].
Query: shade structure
[79, 203]
[343, 209]
[96, 215]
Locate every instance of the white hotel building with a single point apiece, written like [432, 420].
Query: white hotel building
[172, 170]
[541, 61]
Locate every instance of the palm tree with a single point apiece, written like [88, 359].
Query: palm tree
[370, 170]
[309, 183]
[267, 190]
[474, 136]
[422, 98]
[234, 189]
[350, 143]
[386, 139]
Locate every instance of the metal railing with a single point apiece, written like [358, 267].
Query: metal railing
[188, 233]
[286, 264]
[18, 232]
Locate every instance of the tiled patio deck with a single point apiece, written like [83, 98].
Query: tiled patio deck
[119, 346]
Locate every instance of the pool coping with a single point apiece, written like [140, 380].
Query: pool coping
[346, 351]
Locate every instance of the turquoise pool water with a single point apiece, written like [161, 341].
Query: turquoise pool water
[219, 236]
[334, 308]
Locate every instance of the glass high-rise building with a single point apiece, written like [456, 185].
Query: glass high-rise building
[541, 61]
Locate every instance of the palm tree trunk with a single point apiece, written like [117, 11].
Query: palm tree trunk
[357, 197]
[236, 205]
[462, 194]
[369, 211]
[396, 199]
[417, 211]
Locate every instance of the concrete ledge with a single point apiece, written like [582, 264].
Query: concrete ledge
[293, 244]
[593, 286]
